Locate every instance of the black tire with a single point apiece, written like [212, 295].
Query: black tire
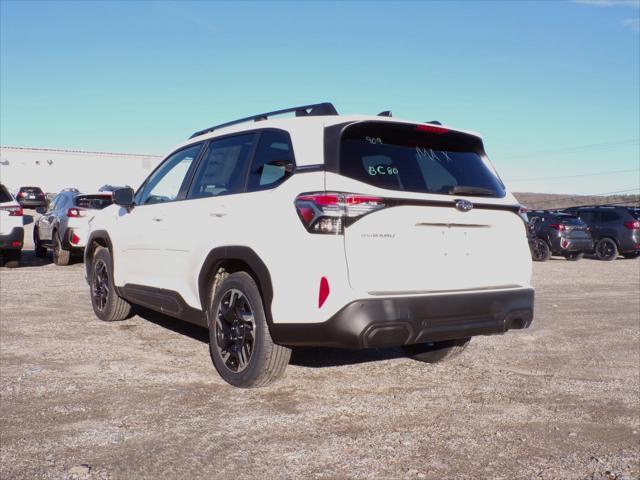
[40, 251]
[240, 344]
[606, 249]
[12, 258]
[631, 256]
[107, 304]
[61, 256]
[540, 250]
[573, 256]
[433, 352]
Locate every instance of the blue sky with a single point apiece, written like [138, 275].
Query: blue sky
[554, 87]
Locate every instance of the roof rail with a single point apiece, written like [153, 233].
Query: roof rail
[315, 109]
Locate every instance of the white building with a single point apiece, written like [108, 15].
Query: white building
[53, 169]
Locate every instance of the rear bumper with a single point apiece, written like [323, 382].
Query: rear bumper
[388, 322]
[14, 240]
[32, 202]
[74, 238]
[574, 245]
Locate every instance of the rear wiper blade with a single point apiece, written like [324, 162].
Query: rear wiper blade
[468, 190]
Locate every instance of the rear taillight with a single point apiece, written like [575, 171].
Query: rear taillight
[558, 226]
[75, 212]
[74, 239]
[14, 210]
[631, 225]
[328, 212]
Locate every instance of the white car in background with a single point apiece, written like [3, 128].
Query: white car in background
[63, 227]
[11, 229]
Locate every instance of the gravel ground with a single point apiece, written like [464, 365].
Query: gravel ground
[140, 398]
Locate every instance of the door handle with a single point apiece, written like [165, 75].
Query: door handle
[217, 214]
[157, 219]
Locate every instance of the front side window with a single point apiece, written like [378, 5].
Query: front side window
[165, 183]
[222, 170]
[273, 161]
[417, 158]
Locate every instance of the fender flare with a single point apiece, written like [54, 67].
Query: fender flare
[247, 255]
[88, 251]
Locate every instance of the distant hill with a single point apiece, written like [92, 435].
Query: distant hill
[547, 201]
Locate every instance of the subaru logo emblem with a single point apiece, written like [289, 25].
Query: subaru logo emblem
[464, 205]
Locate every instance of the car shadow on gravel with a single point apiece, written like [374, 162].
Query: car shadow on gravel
[179, 326]
[311, 357]
[320, 357]
[29, 259]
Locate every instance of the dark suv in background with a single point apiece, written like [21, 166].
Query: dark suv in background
[31, 197]
[559, 233]
[615, 230]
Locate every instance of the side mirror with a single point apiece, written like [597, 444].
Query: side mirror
[40, 210]
[123, 197]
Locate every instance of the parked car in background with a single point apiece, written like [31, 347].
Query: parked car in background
[31, 197]
[63, 226]
[319, 230]
[562, 233]
[615, 230]
[11, 229]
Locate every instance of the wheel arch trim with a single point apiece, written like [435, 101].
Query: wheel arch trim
[89, 249]
[218, 255]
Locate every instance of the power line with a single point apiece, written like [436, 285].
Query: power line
[574, 176]
[574, 149]
[591, 195]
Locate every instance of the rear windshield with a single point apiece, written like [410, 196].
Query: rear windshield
[635, 213]
[570, 220]
[95, 202]
[31, 189]
[5, 196]
[417, 158]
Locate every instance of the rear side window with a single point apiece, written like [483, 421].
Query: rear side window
[610, 216]
[273, 161]
[5, 196]
[94, 202]
[417, 158]
[222, 170]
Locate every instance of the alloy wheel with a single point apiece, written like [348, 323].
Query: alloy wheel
[100, 285]
[606, 249]
[235, 330]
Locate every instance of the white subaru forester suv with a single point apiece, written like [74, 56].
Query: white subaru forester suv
[317, 230]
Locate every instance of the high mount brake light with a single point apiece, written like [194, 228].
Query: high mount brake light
[329, 213]
[632, 225]
[431, 129]
[75, 212]
[14, 210]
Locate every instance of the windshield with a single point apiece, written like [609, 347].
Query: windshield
[417, 158]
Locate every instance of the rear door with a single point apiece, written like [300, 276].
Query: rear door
[420, 242]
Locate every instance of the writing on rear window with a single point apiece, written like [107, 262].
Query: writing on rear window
[374, 140]
[383, 170]
[436, 156]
